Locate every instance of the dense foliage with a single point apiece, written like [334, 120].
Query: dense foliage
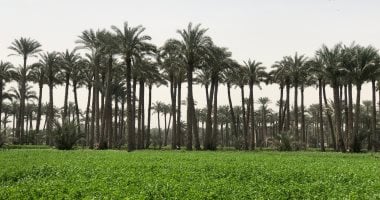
[51, 174]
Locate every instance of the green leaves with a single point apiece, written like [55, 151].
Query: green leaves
[82, 174]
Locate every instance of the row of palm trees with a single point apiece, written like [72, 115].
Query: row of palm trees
[117, 65]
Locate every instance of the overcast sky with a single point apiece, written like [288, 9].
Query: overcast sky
[261, 30]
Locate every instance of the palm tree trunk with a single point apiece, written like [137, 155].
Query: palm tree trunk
[356, 148]
[76, 106]
[67, 83]
[209, 99]
[179, 134]
[251, 100]
[373, 124]
[296, 111]
[244, 119]
[116, 130]
[233, 119]
[280, 108]
[139, 118]
[287, 122]
[159, 130]
[122, 127]
[329, 118]
[322, 137]
[197, 144]
[350, 126]
[338, 117]
[142, 99]
[190, 107]
[134, 99]
[165, 128]
[149, 115]
[346, 116]
[131, 136]
[303, 129]
[173, 95]
[215, 117]
[86, 126]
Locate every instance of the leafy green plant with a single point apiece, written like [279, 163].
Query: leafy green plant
[66, 136]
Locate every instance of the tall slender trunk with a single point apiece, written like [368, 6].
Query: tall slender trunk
[357, 120]
[149, 115]
[76, 106]
[86, 126]
[234, 125]
[1, 100]
[252, 109]
[122, 126]
[296, 111]
[67, 83]
[329, 118]
[215, 117]
[338, 117]
[131, 136]
[179, 133]
[197, 144]
[303, 129]
[116, 130]
[173, 95]
[350, 126]
[322, 137]
[209, 99]
[244, 119]
[190, 107]
[142, 99]
[134, 99]
[107, 109]
[373, 124]
[20, 119]
[159, 130]
[280, 108]
[39, 107]
[165, 128]
[287, 122]
[346, 116]
[139, 113]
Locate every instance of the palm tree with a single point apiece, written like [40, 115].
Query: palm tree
[25, 47]
[230, 75]
[331, 59]
[131, 45]
[365, 67]
[78, 79]
[256, 74]
[171, 61]
[296, 67]
[153, 78]
[51, 62]
[38, 75]
[6, 71]
[69, 61]
[90, 40]
[194, 45]
[317, 70]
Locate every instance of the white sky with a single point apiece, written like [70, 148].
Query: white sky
[261, 30]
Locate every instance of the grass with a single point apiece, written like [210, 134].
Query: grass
[86, 174]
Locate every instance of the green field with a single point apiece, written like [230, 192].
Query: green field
[52, 174]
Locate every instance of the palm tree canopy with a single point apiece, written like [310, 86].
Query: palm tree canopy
[25, 47]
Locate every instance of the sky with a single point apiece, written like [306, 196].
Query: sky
[251, 29]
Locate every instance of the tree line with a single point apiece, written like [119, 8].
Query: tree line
[116, 66]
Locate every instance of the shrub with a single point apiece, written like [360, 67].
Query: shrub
[66, 136]
[358, 140]
[282, 142]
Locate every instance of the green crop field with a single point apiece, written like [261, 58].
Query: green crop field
[85, 174]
